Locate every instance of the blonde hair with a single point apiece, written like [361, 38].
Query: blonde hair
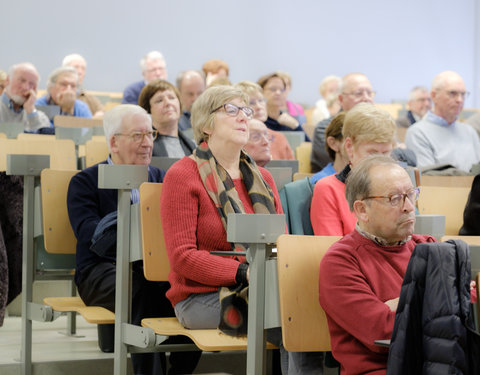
[367, 123]
[211, 99]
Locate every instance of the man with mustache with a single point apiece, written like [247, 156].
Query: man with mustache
[361, 274]
[17, 103]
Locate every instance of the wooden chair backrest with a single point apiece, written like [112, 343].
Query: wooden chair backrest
[309, 129]
[448, 181]
[35, 137]
[77, 122]
[401, 132]
[95, 152]
[3, 135]
[304, 324]
[156, 265]
[61, 151]
[58, 233]
[302, 154]
[391, 108]
[299, 176]
[447, 201]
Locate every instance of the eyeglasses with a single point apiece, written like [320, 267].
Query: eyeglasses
[138, 137]
[455, 94]
[232, 110]
[275, 89]
[256, 101]
[256, 137]
[360, 93]
[397, 199]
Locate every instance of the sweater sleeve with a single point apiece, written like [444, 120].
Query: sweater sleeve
[417, 141]
[185, 209]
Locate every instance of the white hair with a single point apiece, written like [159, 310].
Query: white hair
[415, 90]
[327, 80]
[67, 60]
[24, 65]
[152, 55]
[114, 119]
[52, 78]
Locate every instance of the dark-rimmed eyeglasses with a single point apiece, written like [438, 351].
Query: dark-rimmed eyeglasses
[232, 110]
[138, 137]
[396, 199]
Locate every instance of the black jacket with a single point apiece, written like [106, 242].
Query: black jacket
[433, 332]
[471, 215]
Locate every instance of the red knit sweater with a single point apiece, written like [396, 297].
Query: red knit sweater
[329, 211]
[192, 228]
[356, 277]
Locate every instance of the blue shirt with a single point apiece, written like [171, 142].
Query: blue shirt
[80, 109]
[327, 171]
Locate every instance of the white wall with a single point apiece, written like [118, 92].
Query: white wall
[398, 44]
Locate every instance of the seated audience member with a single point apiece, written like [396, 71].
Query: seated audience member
[355, 88]
[18, 99]
[439, 138]
[3, 81]
[367, 130]
[334, 147]
[153, 67]
[258, 146]
[419, 103]
[328, 87]
[80, 64]
[129, 134]
[361, 275]
[62, 91]
[215, 69]
[162, 100]
[293, 109]
[279, 146]
[471, 214]
[274, 89]
[190, 85]
[474, 121]
[198, 193]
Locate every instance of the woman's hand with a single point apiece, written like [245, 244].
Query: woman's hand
[287, 120]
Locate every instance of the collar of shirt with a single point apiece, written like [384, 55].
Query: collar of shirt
[430, 116]
[379, 240]
[9, 103]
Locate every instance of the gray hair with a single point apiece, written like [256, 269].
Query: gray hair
[58, 72]
[415, 90]
[67, 60]
[114, 119]
[212, 98]
[181, 76]
[326, 80]
[358, 183]
[24, 65]
[152, 55]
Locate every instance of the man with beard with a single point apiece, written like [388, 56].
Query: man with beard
[17, 103]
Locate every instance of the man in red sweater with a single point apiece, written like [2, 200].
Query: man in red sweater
[361, 275]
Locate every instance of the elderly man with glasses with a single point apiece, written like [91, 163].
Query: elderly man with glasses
[92, 213]
[355, 88]
[361, 274]
[439, 138]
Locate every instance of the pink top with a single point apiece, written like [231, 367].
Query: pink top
[329, 211]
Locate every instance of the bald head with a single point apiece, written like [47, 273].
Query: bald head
[448, 95]
[355, 88]
[190, 84]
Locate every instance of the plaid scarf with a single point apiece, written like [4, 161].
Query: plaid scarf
[221, 189]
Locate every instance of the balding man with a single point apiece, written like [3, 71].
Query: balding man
[190, 84]
[153, 67]
[419, 103]
[17, 102]
[355, 88]
[439, 138]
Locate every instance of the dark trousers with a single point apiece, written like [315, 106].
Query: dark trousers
[97, 288]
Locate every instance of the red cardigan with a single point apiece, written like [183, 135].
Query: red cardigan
[192, 228]
[329, 211]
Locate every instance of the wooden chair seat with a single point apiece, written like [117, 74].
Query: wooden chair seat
[206, 339]
[92, 314]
